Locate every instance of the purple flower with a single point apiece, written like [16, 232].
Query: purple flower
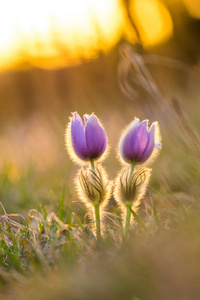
[88, 141]
[137, 143]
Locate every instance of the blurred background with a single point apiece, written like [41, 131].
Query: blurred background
[118, 59]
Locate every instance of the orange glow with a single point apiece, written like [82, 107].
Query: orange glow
[153, 21]
[193, 7]
[56, 33]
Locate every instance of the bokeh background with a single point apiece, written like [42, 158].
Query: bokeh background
[118, 59]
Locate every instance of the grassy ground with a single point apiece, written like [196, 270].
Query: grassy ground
[48, 250]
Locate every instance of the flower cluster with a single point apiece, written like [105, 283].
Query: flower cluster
[86, 143]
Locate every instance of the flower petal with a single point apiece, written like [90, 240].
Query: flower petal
[78, 136]
[127, 141]
[150, 145]
[141, 140]
[85, 118]
[96, 139]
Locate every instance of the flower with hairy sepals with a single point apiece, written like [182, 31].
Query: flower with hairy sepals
[131, 187]
[138, 144]
[93, 186]
[85, 142]
[94, 189]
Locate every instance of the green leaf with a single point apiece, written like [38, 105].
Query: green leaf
[138, 220]
[79, 221]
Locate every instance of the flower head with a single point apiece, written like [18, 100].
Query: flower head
[131, 187]
[85, 141]
[93, 186]
[138, 143]
[94, 189]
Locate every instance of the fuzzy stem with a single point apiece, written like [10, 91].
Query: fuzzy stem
[96, 210]
[132, 169]
[92, 164]
[98, 223]
[128, 205]
[128, 218]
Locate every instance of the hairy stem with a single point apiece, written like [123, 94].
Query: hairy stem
[96, 210]
[132, 169]
[128, 205]
[127, 223]
[92, 164]
[98, 223]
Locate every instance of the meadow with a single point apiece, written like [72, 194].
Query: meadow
[48, 247]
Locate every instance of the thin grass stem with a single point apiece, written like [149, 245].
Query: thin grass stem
[79, 221]
[138, 220]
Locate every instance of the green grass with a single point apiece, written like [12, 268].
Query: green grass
[55, 252]
[58, 258]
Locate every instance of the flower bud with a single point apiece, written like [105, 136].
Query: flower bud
[93, 186]
[138, 143]
[86, 141]
[131, 187]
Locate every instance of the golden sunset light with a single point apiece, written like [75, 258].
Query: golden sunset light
[193, 7]
[153, 21]
[53, 34]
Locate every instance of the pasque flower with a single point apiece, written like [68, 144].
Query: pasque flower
[137, 143]
[94, 189]
[93, 186]
[130, 187]
[86, 141]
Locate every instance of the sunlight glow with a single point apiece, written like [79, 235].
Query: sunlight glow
[60, 32]
[153, 21]
[193, 7]
[56, 33]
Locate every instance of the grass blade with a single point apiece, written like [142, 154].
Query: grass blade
[138, 220]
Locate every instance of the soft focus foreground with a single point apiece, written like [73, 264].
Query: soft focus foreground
[50, 251]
